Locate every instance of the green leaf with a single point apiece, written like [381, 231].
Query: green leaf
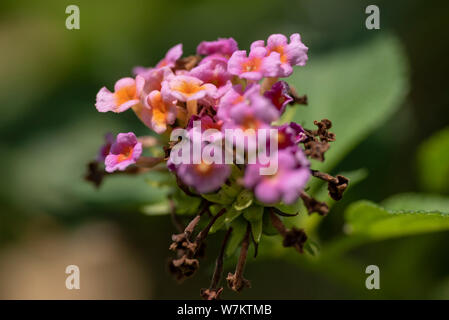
[244, 200]
[417, 201]
[433, 162]
[238, 232]
[358, 89]
[371, 221]
[231, 214]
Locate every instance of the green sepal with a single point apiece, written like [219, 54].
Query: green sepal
[238, 233]
[244, 200]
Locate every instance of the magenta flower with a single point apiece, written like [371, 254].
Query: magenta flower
[104, 149]
[278, 94]
[234, 102]
[260, 63]
[203, 177]
[221, 49]
[126, 95]
[285, 185]
[124, 152]
[289, 135]
[206, 123]
[187, 88]
[290, 54]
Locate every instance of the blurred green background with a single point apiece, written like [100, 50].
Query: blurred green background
[50, 218]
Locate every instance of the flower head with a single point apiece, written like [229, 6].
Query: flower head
[285, 185]
[126, 94]
[124, 152]
[259, 63]
[290, 54]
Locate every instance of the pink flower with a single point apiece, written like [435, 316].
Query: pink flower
[285, 185]
[154, 77]
[126, 94]
[124, 152]
[289, 135]
[260, 63]
[291, 54]
[188, 88]
[157, 112]
[221, 49]
[234, 102]
[214, 72]
[203, 177]
[104, 149]
[170, 58]
[278, 95]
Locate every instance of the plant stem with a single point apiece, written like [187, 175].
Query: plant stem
[219, 263]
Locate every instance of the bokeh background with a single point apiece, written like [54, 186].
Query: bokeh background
[49, 128]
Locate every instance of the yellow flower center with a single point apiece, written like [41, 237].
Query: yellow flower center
[252, 64]
[203, 168]
[188, 88]
[125, 155]
[125, 94]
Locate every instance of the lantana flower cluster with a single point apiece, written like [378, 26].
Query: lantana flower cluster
[223, 88]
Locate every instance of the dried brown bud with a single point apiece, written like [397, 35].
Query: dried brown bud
[337, 188]
[295, 238]
[183, 267]
[237, 283]
[94, 174]
[297, 99]
[314, 205]
[211, 294]
[316, 149]
[323, 130]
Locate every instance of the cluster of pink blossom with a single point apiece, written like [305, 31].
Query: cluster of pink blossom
[224, 88]
[218, 90]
